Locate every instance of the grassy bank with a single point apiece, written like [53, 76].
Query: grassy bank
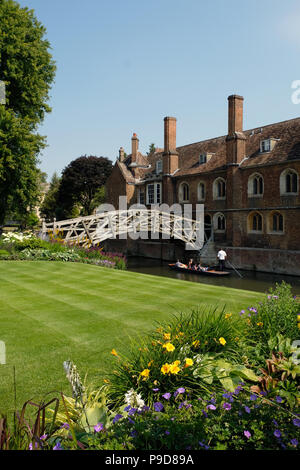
[53, 311]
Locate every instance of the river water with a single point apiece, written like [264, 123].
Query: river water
[254, 281]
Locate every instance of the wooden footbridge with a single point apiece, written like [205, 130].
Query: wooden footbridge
[94, 229]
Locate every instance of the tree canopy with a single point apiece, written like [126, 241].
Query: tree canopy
[81, 184]
[27, 69]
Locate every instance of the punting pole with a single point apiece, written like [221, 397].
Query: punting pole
[235, 269]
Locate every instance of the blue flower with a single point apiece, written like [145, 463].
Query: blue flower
[296, 422]
[277, 433]
[294, 442]
[158, 406]
[247, 409]
[117, 417]
[253, 397]
[201, 444]
[279, 399]
[58, 446]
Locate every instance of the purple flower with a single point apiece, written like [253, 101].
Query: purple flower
[155, 389]
[294, 442]
[253, 397]
[227, 406]
[145, 408]
[65, 426]
[211, 407]
[167, 433]
[130, 420]
[158, 406]
[201, 444]
[179, 391]
[247, 434]
[167, 396]
[132, 411]
[296, 422]
[99, 427]
[242, 312]
[204, 413]
[116, 418]
[127, 408]
[58, 446]
[133, 433]
[279, 399]
[277, 433]
[275, 422]
[247, 409]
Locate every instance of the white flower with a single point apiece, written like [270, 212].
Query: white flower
[134, 400]
[74, 379]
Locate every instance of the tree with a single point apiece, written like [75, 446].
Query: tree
[152, 149]
[27, 69]
[80, 183]
[49, 208]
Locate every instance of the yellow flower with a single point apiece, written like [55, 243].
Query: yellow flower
[169, 347]
[114, 353]
[145, 374]
[299, 326]
[196, 343]
[237, 338]
[150, 363]
[228, 315]
[188, 362]
[298, 317]
[222, 341]
[167, 336]
[106, 381]
[165, 368]
[260, 323]
[176, 363]
[174, 369]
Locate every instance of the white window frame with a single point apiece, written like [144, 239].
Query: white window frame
[159, 167]
[282, 182]
[265, 146]
[157, 191]
[215, 189]
[250, 185]
[199, 191]
[181, 192]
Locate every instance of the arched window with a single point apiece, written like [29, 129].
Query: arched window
[219, 189]
[255, 222]
[219, 222]
[289, 182]
[184, 192]
[201, 191]
[255, 185]
[276, 222]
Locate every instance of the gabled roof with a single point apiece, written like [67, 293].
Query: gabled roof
[287, 148]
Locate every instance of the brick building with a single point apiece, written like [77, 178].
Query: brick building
[247, 180]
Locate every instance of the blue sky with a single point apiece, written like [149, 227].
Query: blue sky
[123, 65]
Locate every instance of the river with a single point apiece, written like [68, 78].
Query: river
[254, 281]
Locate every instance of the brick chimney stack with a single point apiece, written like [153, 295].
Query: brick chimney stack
[170, 158]
[235, 140]
[235, 114]
[134, 149]
[121, 154]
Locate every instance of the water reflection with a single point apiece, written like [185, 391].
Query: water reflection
[260, 282]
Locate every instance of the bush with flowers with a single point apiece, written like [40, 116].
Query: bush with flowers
[26, 246]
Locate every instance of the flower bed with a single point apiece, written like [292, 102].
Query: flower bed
[26, 246]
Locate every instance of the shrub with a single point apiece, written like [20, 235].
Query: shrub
[190, 350]
[273, 319]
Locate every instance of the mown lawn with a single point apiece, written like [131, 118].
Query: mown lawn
[54, 311]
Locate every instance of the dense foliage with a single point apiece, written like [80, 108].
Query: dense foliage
[16, 246]
[27, 69]
[81, 184]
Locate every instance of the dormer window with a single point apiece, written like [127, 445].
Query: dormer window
[267, 145]
[159, 167]
[204, 158]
